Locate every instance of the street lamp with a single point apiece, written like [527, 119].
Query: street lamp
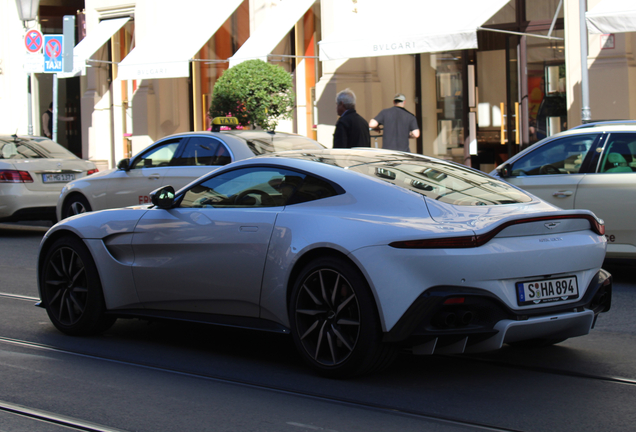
[27, 10]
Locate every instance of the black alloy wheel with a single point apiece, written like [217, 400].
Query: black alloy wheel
[71, 290]
[74, 205]
[334, 320]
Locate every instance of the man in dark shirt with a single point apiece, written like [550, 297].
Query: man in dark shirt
[351, 129]
[399, 125]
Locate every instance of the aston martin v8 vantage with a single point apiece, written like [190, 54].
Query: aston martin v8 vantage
[356, 253]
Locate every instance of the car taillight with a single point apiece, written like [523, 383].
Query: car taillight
[14, 176]
[92, 171]
[597, 225]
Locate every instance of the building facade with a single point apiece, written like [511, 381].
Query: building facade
[484, 79]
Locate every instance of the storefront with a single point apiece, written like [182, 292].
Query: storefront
[461, 76]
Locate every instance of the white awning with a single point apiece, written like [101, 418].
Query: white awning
[91, 43]
[175, 39]
[373, 29]
[276, 26]
[612, 16]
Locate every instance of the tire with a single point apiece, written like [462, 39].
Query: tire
[337, 331]
[75, 204]
[71, 290]
[535, 343]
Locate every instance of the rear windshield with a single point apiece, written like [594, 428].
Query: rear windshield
[449, 183]
[36, 148]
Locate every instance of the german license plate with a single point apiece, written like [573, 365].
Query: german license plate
[57, 178]
[547, 290]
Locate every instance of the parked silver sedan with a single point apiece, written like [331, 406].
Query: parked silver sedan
[175, 160]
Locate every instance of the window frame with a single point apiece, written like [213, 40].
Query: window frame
[337, 189]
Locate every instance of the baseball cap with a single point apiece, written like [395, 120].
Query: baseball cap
[399, 97]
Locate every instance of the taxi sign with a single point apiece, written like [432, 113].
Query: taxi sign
[217, 122]
[225, 121]
[53, 53]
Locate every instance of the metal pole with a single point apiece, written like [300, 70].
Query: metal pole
[29, 104]
[523, 92]
[54, 131]
[586, 114]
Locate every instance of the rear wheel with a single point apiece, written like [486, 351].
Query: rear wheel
[334, 320]
[75, 204]
[71, 290]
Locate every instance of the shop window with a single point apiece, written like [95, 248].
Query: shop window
[542, 10]
[449, 143]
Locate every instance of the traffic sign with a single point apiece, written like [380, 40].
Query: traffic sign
[33, 41]
[53, 61]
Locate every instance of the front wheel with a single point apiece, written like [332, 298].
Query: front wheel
[334, 321]
[71, 290]
[74, 205]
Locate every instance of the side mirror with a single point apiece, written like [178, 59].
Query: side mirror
[163, 197]
[124, 164]
[504, 170]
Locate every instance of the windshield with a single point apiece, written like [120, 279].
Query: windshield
[448, 183]
[435, 179]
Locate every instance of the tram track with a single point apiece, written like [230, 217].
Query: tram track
[463, 357]
[341, 401]
[19, 297]
[546, 370]
[55, 419]
[380, 408]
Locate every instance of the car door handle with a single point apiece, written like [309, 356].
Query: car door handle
[154, 176]
[562, 194]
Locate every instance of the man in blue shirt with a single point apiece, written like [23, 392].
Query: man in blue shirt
[399, 125]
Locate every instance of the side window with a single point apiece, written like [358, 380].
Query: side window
[561, 156]
[248, 187]
[312, 189]
[203, 151]
[619, 155]
[157, 156]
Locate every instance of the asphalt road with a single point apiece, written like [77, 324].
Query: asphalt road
[180, 376]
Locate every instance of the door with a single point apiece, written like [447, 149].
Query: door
[553, 171]
[611, 193]
[208, 255]
[132, 186]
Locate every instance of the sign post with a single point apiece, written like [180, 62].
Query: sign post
[33, 42]
[54, 63]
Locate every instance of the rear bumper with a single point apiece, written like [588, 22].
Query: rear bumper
[484, 323]
[17, 203]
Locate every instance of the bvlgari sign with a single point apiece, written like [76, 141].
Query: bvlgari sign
[394, 46]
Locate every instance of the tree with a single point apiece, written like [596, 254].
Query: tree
[255, 92]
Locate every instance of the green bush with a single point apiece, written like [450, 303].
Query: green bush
[255, 92]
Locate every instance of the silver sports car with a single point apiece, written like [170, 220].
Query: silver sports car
[357, 253]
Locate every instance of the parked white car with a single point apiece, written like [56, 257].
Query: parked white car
[33, 171]
[175, 160]
[592, 167]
